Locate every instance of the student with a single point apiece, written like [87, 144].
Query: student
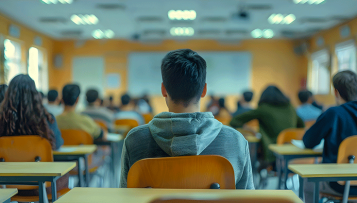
[243, 105]
[111, 106]
[335, 125]
[314, 103]
[213, 106]
[69, 119]
[127, 110]
[95, 111]
[185, 130]
[306, 111]
[3, 89]
[53, 106]
[223, 112]
[143, 105]
[275, 114]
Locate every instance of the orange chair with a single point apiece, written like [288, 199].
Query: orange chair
[287, 135]
[127, 122]
[147, 117]
[308, 124]
[76, 137]
[225, 120]
[186, 172]
[102, 124]
[253, 125]
[27, 148]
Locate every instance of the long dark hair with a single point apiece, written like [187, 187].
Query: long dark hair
[272, 95]
[22, 112]
[3, 89]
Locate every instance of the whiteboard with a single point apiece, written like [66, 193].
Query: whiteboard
[227, 72]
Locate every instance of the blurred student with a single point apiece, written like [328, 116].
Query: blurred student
[112, 106]
[243, 105]
[213, 106]
[127, 110]
[185, 131]
[3, 89]
[314, 103]
[306, 111]
[143, 105]
[275, 114]
[335, 125]
[222, 109]
[53, 105]
[70, 119]
[22, 113]
[95, 111]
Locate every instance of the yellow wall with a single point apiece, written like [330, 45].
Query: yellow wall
[274, 62]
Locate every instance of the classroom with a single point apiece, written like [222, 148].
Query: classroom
[165, 101]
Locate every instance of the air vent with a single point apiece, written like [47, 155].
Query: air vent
[111, 6]
[257, 7]
[53, 20]
[215, 19]
[154, 32]
[314, 20]
[236, 32]
[149, 19]
[71, 33]
[209, 32]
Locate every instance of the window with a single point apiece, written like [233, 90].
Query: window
[12, 56]
[346, 56]
[37, 70]
[319, 79]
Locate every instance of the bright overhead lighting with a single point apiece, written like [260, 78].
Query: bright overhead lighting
[84, 19]
[57, 1]
[182, 31]
[258, 33]
[99, 34]
[281, 19]
[268, 33]
[308, 1]
[182, 14]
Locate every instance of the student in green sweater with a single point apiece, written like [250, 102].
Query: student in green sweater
[275, 114]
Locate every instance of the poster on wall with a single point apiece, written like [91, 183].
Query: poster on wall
[113, 81]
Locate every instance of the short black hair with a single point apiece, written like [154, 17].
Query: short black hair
[304, 96]
[221, 102]
[184, 75]
[52, 95]
[3, 89]
[248, 96]
[125, 99]
[345, 82]
[111, 98]
[70, 93]
[92, 95]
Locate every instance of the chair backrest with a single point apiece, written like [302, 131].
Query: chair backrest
[287, 135]
[186, 172]
[147, 117]
[245, 133]
[76, 137]
[224, 119]
[347, 148]
[226, 200]
[253, 125]
[102, 124]
[308, 124]
[132, 123]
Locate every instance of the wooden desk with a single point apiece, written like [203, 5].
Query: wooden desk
[287, 152]
[75, 153]
[325, 172]
[34, 173]
[6, 194]
[89, 195]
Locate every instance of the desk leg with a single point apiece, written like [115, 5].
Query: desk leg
[286, 172]
[42, 192]
[278, 167]
[54, 189]
[317, 192]
[86, 169]
[80, 173]
[301, 188]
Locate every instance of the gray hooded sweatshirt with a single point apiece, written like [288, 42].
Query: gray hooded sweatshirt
[185, 134]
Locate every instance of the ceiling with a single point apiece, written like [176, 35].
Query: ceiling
[148, 19]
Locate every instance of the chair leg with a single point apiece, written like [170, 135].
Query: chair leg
[346, 192]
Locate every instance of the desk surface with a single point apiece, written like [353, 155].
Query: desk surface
[6, 194]
[35, 168]
[290, 149]
[324, 170]
[76, 150]
[134, 195]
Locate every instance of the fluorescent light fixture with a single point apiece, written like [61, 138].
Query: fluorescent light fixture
[182, 14]
[182, 31]
[99, 34]
[257, 33]
[268, 33]
[281, 19]
[57, 1]
[84, 19]
[316, 2]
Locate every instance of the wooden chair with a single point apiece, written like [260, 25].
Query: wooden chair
[287, 135]
[132, 123]
[186, 172]
[76, 137]
[308, 124]
[253, 125]
[225, 200]
[347, 152]
[225, 120]
[102, 124]
[147, 117]
[27, 148]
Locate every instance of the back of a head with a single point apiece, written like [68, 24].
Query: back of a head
[248, 96]
[70, 94]
[221, 102]
[304, 96]
[3, 89]
[274, 96]
[52, 95]
[345, 82]
[125, 99]
[184, 75]
[92, 95]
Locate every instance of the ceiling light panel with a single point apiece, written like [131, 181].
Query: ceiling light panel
[266, 33]
[315, 2]
[281, 19]
[182, 31]
[57, 1]
[103, 34]
[84, 19]
[182, 14]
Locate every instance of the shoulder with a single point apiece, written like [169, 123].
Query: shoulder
[138, 133]
[229, 132]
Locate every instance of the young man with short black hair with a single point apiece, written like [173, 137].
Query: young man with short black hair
[306, 111]
[53, 105]
[243, 105]
[334, 125]
[184, 130]
[127, 110]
